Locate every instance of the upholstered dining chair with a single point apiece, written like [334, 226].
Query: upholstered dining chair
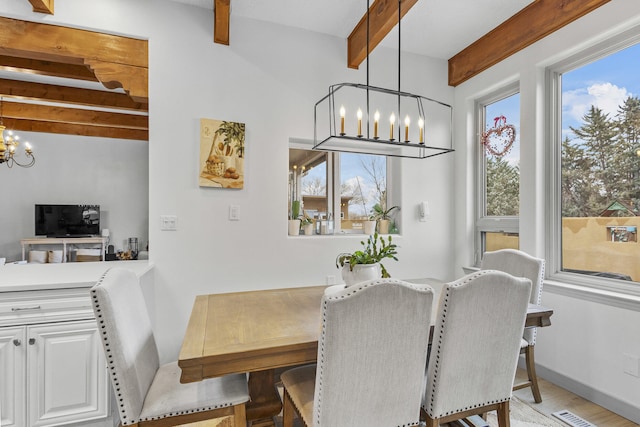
[521, 264]
[475, 347]
[147, 393]
[372, 353]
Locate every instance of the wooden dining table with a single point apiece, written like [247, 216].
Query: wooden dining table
[259, 332]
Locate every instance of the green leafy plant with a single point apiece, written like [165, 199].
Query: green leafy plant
[295, 209]
[378, 212]
[305, 220]
[375, 249]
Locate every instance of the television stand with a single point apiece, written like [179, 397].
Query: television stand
[64, 241]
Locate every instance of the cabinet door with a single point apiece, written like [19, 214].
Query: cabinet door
[12, 376]
[67, 374]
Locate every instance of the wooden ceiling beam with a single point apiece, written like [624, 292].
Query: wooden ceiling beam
[46, 68]
[119, 57]
[221, 17]
[76, 129]
[69, 45]
[48, 113]
[42, 6]
[383, 16]
[51, 93]
[534, 22]
[131, 78]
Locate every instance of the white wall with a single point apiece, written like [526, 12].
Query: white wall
[270, 78]
[74, 169]
[584, 346]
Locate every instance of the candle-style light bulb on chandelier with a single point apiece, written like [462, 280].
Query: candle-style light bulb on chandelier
[9, 143]
[425, 131]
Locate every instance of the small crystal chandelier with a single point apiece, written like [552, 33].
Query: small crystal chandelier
[9, 142]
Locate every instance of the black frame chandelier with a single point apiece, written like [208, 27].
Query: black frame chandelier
[350, 128]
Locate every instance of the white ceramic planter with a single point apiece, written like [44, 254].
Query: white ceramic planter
[294, 227]
[383, 226]
[308, 229]
[361, 273]
[369, 227]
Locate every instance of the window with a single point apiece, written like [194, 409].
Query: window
[597, 147]
[498, 151]
[340, 188]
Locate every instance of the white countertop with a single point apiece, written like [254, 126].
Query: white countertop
[28, 277]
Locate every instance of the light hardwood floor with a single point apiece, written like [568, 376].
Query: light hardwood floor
[555, 398]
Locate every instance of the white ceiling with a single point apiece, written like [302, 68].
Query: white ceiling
[436, 28]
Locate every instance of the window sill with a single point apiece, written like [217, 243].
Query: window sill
[594, 290]
[588, 293]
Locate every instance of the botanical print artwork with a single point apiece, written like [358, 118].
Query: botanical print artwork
[221, 154]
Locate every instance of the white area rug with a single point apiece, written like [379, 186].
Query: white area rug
[523, 415]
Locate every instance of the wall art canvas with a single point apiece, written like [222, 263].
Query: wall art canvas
[221, 154]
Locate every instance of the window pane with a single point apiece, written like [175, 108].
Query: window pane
[308, 182]
[498, 210]
[501, 147]
[601, 166]
[493, 241]
[363, 184]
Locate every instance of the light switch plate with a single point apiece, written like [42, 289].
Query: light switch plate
[168, 222]
[234, 213]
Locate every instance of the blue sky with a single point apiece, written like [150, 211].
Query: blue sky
[509, 108]
[605, 83]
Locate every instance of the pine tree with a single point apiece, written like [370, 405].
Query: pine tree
[627, 159]
[503, 187]
[576, 180]
[598, 134]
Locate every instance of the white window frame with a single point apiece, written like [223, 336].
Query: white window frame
[333, 183]
[489, 224]
[607, 288]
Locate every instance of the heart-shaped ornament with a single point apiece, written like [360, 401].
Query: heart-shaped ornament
[499, 139]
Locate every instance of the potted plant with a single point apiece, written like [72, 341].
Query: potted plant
[366, 264]
[294, 218]
[369, 225]
[306, 224]
[383, 216]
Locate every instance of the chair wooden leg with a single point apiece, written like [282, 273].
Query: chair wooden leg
[288, 410]
[239, 416]
[432, 422]
[531, 373]
[503, 414]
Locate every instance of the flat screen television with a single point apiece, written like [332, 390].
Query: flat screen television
[67, 220]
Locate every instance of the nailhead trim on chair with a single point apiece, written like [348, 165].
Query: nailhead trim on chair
[534, 331]
[437, 356]
[352, 290]
[114, 376]
[107, 345]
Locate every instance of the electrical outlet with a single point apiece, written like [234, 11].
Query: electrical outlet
[631, 364]
[331, 280]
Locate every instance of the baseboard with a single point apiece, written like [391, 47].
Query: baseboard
[613, 404]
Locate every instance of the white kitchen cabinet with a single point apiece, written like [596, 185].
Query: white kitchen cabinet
[52, 370]
[13, 376]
